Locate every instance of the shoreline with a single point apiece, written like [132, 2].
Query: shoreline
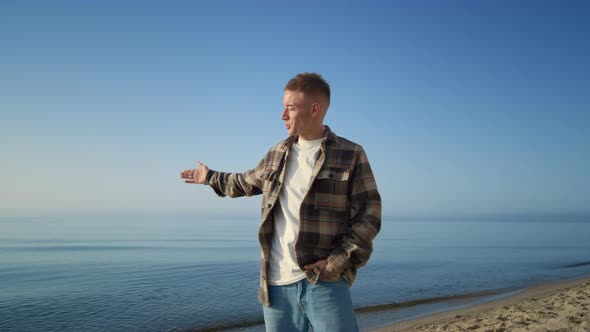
[377, 311]
[422, 314]
[433, 300]
[551, 305]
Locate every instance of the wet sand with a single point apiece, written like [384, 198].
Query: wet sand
[557, 306]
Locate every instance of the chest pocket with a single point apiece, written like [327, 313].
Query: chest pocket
[271, 185]
[271, 174]
[331, 189]
[335, 174]
[270, 179]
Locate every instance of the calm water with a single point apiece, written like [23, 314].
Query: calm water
[174, 274]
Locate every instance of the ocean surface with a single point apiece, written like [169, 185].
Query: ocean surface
[195, 273]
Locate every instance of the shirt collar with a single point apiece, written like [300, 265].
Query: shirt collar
[328, 137]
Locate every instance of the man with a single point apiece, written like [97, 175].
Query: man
[321, 211]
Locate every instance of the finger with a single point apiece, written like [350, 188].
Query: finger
[186, 172]
[200, 164]
[312, 266]
[321, 264]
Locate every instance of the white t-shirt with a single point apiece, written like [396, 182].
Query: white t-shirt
[284, 269]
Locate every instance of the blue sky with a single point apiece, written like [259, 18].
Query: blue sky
[463, 107]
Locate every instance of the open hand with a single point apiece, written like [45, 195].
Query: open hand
[195, 176]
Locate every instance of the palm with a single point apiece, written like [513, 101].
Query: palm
[195, 176]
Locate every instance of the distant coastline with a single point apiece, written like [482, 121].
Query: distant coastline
[550, 216]
[501, 217]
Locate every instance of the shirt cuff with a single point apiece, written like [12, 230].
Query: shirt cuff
[339, 262]
[209, 175]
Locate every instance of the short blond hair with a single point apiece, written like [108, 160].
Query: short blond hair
[310, 84]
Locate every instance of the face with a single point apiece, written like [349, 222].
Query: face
[297, 113]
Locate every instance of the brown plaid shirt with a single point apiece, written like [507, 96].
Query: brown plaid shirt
[339, 217]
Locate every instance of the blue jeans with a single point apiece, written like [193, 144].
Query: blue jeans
[325, 307]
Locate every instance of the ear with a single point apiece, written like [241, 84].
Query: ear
[315, 110]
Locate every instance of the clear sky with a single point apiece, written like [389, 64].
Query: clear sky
[463, 107]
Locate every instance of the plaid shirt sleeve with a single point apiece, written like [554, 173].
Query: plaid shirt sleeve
[248, 183]
[365, 218]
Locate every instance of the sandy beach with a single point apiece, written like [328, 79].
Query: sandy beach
[560, 306]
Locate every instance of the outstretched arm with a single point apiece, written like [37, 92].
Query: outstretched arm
[248, 183]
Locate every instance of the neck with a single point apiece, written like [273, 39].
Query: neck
[314, 134]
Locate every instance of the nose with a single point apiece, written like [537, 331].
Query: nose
[284, 115]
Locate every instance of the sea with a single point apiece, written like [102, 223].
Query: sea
[190, 273]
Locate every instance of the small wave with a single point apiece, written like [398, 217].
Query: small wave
[576, 265]
[466, 296]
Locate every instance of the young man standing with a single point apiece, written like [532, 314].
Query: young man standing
[321, 211]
